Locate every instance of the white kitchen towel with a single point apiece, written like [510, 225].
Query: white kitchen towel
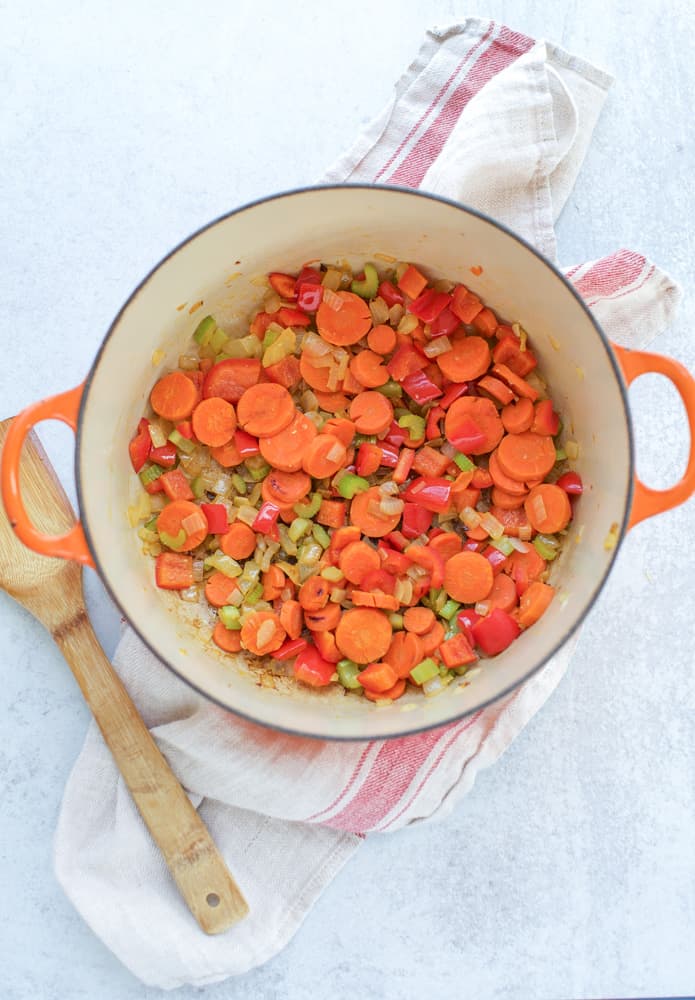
[487, 116]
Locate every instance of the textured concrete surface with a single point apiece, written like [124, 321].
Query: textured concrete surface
[570, 869]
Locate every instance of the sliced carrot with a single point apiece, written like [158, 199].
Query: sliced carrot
[381, 339]
[219, 588]
[405, 652]
[486, 322]
[371, 412]
[483, 413]
[548, 508]
[313, 375]
[468, 577]
[344, 536]
[481, 479]
[239, 541]
[363, 514]
[343, 429]
[291, 618]
[432, 640]
[358, 559]
[369, 369]
[214, 421]
[497, 389]
[526, 456]
[314, 593]
[468, 358]
[507, 501]
[262, 633]
[274, 581]
[377, 677]
[324, 456]
[174, 397]
[387, 602]
[324, 620]
[227, 455]
[170, 522]
[518, 417]
[363, 635]
[266, 409]
[418, 620]
[332, 402]
[286, 488]
[346, 324]
[392, 694]
[229, 379]
[350, 384]
[502, 480]
[530, 561]
[447, 544]
[503, 594]
[285, 450]
[511, 520]
[520, 386]
[226, 638]
[535, 602]
[332, 513]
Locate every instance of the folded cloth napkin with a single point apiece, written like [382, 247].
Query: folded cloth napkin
[487, 116]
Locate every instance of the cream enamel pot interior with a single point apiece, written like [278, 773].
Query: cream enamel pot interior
[217, 266]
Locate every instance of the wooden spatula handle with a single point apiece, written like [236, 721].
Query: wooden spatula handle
[200, 872]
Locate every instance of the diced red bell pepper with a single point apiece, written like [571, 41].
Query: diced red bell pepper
[216, 516]
[466, 436]
[246, 444]
[465, 304]
[429, 559]
[286, 373]
[431, 492]
[392, 560]
[471, 545]
[457, 651]
[397, 539]
[421, 388]
[379, 579]
[430, 462]
[290, 648]
[175, 485]
[164, 456]
[308, 276]
[403, 465]
[412, 282]
[497, 559]
[266, 522]
[140, 445]
[173, 571]
[452, 392]
[571, 482]
[416, 520]
[311, 668]
[283, 284]
[429, 305]
[260, 323]
[390, 451]
[495, 632]
[292, 317]
[545, 420]
[445, 323]
[466, 619]
[406, 361]
[309, 296]
[390, 294]
[185, 429]
[368, 459]
[507, 352]
[432, 428]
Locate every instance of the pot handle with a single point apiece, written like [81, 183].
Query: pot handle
[646, 501]
[73, 544]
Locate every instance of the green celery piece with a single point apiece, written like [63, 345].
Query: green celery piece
[503, 545]
[347, 674]
[300, 526]
[218, 340]
[254, 595]
[425, 670]
[463, 669]
[243, 347]
[331, 573]
[239, 484]
[414, 425]
[364, 439]
[392, 390]
[258, 467]
[184, 444]
[225, 564]
[368, 287]
[560, 454]
[270, 337]
[544, 550]
[151, 525]
[350, 484]
[308, 510]
[396, 621]
[464, 463]
[321, 535]
[452, 630]
[230, 617]
[198, 487]
[149, 475]
[449, 609]
[172, 542]
[204, 331]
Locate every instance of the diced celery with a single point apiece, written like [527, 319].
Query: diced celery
[224, 563]
[350, 484]
[151, 525]
[151, 473]
[331, 573]
[452, 630]
[198, 487]
[243, 347]
[460, 671]
[218, 340]
[449, 609]
[414, 425]
[258, 467]
[392, 390]
[230, 617]
[368, 287]
[321, 535]
[254, 595]
[204, 331]
[300, 526]
[184, 444]
[425, 670]
[310, 509]
[396, 621]
[560, 454]
[173, 542]
[347, 674]
[281, 346]
[271, 335]
[463, 461]
[503, 545]
[239, 484]
[546, 546]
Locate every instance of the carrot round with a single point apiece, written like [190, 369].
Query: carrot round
[520, 386]
[447, 544]
[214, 421]
[530, 561]
[389, 695]
[432, 640]
[262, 633]
[483, 413]
[314, 375]
[239, 541]
[370, 523]
[503, 594]
[378, 599]
[291, 618]
[227, 454]
[405, 652]
[497, 389]
[358, 559]
[285, 450]
[332, 402]
[314, 593]
[226, 638]
[369, 369]
[381, 339]
[468, 358]
[324, 620]
[286, 488]
[468, 577]
[345, 325]
[526, 456]
[378, 678]
[324, 456]
[371, 412]
[418, 620]
[511, 520]
[343, 429]
[501, 479]
[265, 409]
[174, 397]
[363, 635]
[518, 417]
[170, 522]
[548, 508]
[274, 581]
[507, 501]
[219, 588]
[534, 602]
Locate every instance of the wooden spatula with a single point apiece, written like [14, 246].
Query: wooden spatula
[51, 589]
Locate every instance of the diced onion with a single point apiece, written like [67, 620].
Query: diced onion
[336, 451]
[572, 450]
[482, 608]
[313, 344]
[198, 568]
[443, 285]
[403, 591]
[517, 544]
[391, 506]
[157, 436]
[379, 311]
[309, 402]
[415, 572]
[396, 313]
[433, 686]
[408, 323]
[539, 509]
[265, 632]
[489, 523]
[447, 449]
[525, 532]
[389, 488]
[190, 594]
[315, 418]
[188, 362]
[401, 268]
[338, 595]
[272, 302]
[331, 279]
[193, 522]
[247, 514]
[332, 300]
[374, 508]
[440, 345]
[470, 517]
[323, 361]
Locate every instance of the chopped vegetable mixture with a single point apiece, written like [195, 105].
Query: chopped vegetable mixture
[367, 485]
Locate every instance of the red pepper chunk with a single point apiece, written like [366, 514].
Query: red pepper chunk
[175, 485]
[246, 444]
[309, 296]
[173, 571]
[465, 620]
[421, 388]
[428, 306]
[283, 284]
[571, 482]
[390, 294]
[368, 459]
[216, 516]
[497, 559]
[416, 520]
[403, 465]
[429, 559]
[466, 436]
[266, 522]
[290, 648]
[432, 429]
[451, 393]
[164, 456]
[308, 276]
[292, 317]
[445, 323]
[495, 632]
[406, 361]
[456, 652]
[141, 445]
[311, 668]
